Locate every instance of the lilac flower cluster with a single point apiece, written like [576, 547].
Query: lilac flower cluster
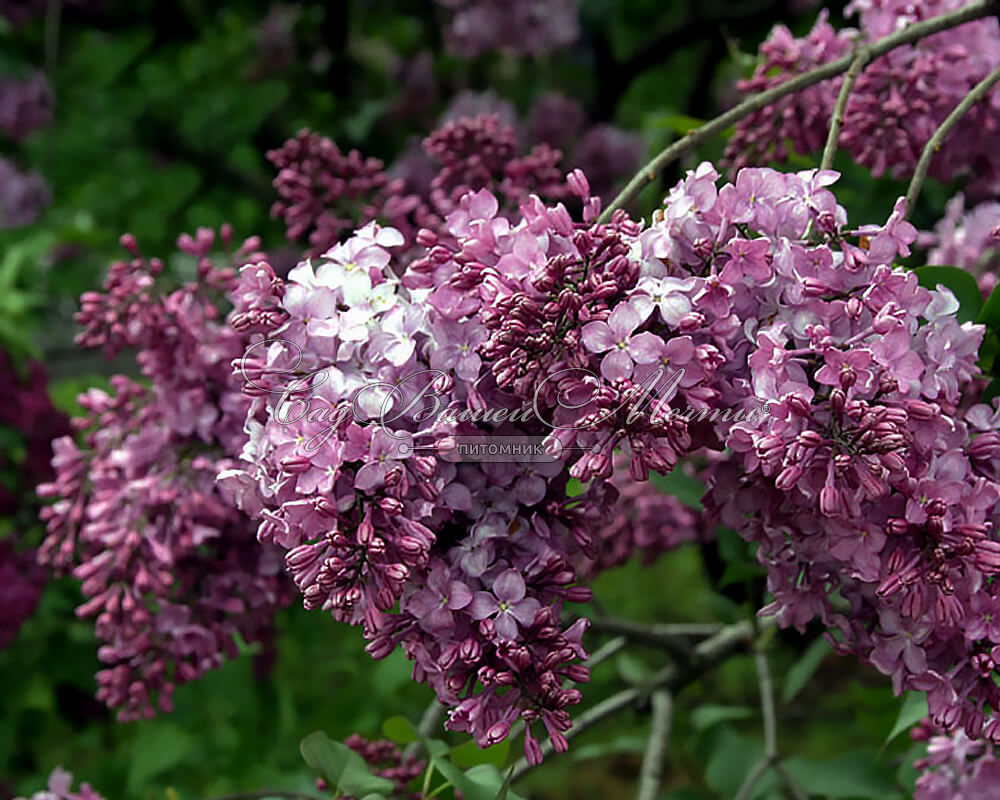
[463, 565]
[897, 103]
[21, 584]
[387, 761]
[25, 408]
[531, 27]
[955, 767]
[23, 196]
[60, 787]
[25, 104]
[968, 239]
[870, 490]
[325, 193]
[166, 565]
[866, 486]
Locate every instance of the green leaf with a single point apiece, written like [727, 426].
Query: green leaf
[740, 572]
[731, 759]
[482, 782]
[615, 746]
[469, 754]
[913, 710]
[961, 284]
[678, 123]
[156, 748]
[346, 771]
[681, 485]
[989, 314]
[704, 717]
[849, 775]
[803, 669]
[631, 669]
[400, 730]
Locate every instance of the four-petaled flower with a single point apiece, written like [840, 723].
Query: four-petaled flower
[506, 604]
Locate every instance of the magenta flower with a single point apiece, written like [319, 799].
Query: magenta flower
[506, 605]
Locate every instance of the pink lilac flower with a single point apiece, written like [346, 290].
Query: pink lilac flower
[532, 28]
[25, 104]
[23, 196]
[60, 787]
[968, 239]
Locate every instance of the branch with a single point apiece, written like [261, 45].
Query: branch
[706, 655]
[979, 91]
[750, 781]
[428, 722]
[771, 758]
[860, 61]
[652, 760]
[672, 638]
[766, 704]
[908, 35]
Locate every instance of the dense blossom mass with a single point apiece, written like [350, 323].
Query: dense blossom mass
[955, 767]
[749, 316]
[325, 192]
[898, 102]
[169, 569]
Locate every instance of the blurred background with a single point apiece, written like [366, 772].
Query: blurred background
[154, 117]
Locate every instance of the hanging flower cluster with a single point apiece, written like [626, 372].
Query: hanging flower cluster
[169, 569]
[325, 193]
[748, 316]
[895, 106]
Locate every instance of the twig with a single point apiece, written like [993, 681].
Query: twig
[766, 703]
[675, 639]
[979, 91]
[428, 722]
[908, 35]
[605, 651]
[750, 781]
[706, 655]
[771, 757]
[652, 761]
[861, 59]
